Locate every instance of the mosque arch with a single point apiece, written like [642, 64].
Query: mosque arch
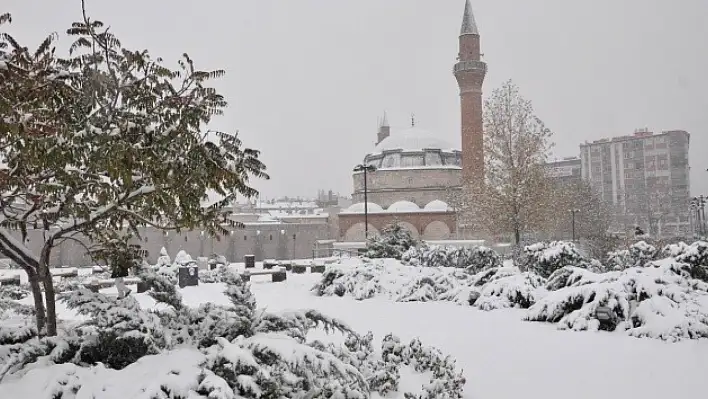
[436, 230]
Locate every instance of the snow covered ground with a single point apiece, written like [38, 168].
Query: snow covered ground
[501, 355]
[506, 358]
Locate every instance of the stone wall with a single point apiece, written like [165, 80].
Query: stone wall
[419, 186]
[265, 241]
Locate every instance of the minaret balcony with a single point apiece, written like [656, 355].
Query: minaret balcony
[465, 66]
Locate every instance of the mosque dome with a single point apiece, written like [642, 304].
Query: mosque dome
[413, 148]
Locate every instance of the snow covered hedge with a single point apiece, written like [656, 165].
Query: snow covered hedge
[474, 259]
[665, 299]
[637, 255]
[493, 288]
[544, 258]
[660, 300]
[212, 351]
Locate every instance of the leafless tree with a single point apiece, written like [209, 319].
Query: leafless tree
[514, 196]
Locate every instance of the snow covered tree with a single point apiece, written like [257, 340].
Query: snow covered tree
[107, 139]
[515, 194]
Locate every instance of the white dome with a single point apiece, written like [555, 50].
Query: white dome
[412, 138]
[359, 208]
[403, 206]
[437, 206]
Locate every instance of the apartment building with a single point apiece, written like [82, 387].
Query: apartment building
[644, 177]
[567, 170]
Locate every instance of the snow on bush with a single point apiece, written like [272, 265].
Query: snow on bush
[544, 258]
[364, 279]
[13, 292]
[211, 351]
[696, 257]
[393, 242]
[502, 287]
[674, 250]
[658, 301]
[637, 255]
[164, 259]
[510, 288]
[474, 259]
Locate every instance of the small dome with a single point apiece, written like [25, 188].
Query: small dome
[403, 206]
[437, 206]
[359, 208]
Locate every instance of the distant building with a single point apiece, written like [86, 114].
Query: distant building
[645, 177]
[565, 171]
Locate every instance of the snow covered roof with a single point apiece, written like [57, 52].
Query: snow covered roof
[359, 208]
[403, 206]
[399, 207]
[469, 25]
[412, 139]
[437, 206]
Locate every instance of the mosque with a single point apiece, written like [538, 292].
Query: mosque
[416, 173]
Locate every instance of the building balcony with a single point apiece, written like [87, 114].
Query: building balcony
[465, 66]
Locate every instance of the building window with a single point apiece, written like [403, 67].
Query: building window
[391, 161]
[411, 161]
[432, 158]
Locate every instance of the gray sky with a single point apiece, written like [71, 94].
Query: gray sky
[307, 79]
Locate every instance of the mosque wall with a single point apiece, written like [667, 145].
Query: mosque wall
[425, 225]
[419, 186]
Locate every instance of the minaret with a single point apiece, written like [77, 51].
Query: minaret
[470, 71]
[384, 129]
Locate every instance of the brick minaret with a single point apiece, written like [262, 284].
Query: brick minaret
[469, 72]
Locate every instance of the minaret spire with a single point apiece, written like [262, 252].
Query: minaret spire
[469, 25]
[470, 72]
[384, 129]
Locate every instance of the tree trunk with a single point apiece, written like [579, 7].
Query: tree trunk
[517, 236]
[46, 276]
[40, 312]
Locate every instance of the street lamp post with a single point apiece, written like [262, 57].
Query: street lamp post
[573, 212]
[365, 169]
[699, 204]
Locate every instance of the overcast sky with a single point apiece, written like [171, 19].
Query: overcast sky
[307, 79]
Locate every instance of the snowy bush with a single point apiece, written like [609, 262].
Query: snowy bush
[544, 258]
[12, 292]
[427, 288]
[659, 301]
[164, 259]
[696, 257]
[503, 287]
[218, 275]
[474, 259]
[211, 351]
[218, 261]
[508, 288]
[393, 242]
[674, 250]
[361, 282]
